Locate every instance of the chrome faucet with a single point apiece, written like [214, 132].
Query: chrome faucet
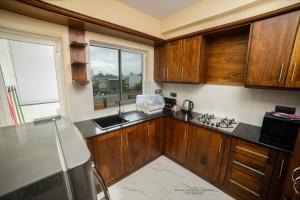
[119, 104]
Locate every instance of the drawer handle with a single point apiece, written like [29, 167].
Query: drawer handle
[240, 164]
[253, 152]
[251, 191]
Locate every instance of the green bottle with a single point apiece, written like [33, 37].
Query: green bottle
[104, 100]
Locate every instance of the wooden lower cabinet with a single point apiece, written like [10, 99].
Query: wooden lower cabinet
[121, 152]
[205, 151]
[154, 139]
[254, 172]
[134, 146]
[176, 140]
[108, 155]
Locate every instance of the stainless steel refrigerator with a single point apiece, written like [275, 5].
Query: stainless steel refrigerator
[47, 159]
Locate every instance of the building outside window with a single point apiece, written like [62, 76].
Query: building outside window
[117, 75]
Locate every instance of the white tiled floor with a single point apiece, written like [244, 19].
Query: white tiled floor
[163, 179]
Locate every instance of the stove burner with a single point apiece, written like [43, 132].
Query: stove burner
[209, 120]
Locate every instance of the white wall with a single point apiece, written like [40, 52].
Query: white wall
[76, 102]
[244, 104]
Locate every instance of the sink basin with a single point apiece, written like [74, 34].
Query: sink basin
[110, 121]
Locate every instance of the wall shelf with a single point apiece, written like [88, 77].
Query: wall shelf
[78, 56]
[78, 44]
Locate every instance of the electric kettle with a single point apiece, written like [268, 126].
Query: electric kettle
[187, 106]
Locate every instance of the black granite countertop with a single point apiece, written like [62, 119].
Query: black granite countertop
[244, 131]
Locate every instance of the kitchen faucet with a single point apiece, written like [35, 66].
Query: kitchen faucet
[119, 104]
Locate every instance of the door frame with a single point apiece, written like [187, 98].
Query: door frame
[59, 67]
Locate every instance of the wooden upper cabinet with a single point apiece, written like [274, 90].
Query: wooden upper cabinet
[177, 139]
[270, 50]
[134, 146]
[160, 63]
[174, 61]
[192, 62]
[108, 156]
[293, 76]
[205, 153]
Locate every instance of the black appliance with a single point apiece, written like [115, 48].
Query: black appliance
[169, 103]
[279, 131]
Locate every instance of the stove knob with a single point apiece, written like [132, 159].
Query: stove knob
[212, 124]
[217, 124]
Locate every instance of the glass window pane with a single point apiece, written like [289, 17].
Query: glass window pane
[105, 76]
[131, 67]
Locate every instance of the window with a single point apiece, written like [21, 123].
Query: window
[29, 78]
[116, 75]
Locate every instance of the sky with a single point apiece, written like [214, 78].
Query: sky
[106, 61]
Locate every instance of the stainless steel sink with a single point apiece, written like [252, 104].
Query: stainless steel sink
[110, 121]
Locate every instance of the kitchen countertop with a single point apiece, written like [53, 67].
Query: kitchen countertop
[244, 131]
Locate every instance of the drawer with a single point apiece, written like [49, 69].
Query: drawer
[256, 155]
[244, 186]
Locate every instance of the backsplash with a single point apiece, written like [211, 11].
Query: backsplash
[244, 104]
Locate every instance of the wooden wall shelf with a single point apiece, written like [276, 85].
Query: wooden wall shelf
[77, 44]
[78, 56]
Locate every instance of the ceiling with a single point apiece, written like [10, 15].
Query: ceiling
[159, 8]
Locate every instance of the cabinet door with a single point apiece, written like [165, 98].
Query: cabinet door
[278, 177]
[270, 49]
[205, 153]
[134, 146]
[192, 54]
[160, 63]
[108, 156]
[293, 76]
[288, 188]
[154, 137]
[176, 141]
[174, 67]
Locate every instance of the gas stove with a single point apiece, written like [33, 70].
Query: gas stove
[211, 121]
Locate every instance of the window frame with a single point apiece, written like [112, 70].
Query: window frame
[120, 49]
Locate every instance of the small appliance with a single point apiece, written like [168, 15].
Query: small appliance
[187, 106]
[150, 103]
[169, 104]
[280, 129]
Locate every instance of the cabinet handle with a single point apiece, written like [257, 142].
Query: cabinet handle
[281, 167]
[127, 139]
[122, 141]
[280, 75]
[167, 72]
[220, 145]
[181, 72]
[293, 74]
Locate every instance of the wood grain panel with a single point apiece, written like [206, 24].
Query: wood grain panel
[176, 141]
[134, 146]
[293, 76]
[226, 56]
[108, 154]
[160, 63]
[205, 153]
[174, 55]
[154, 136]
[270, 50]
